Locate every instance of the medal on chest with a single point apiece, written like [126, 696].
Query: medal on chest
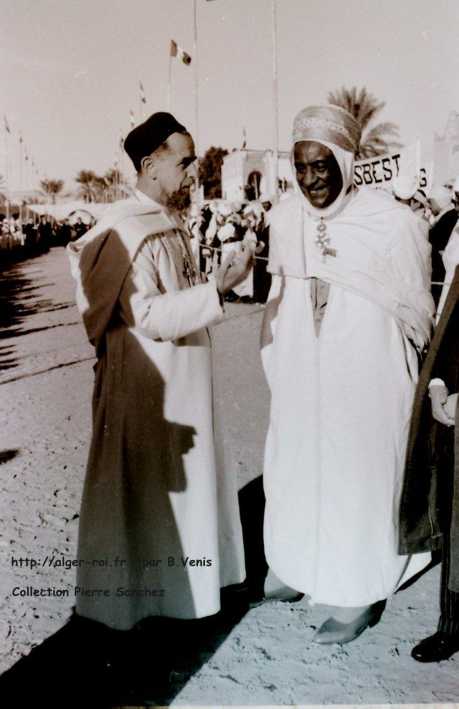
[323, 239]
[188, 266]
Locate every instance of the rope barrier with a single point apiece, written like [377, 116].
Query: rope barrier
[216, 248]
[264, 258]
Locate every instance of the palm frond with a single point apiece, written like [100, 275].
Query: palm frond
[364, 106]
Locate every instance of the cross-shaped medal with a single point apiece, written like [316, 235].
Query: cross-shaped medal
[322, 240]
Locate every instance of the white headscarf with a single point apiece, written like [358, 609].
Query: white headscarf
[338, 131]
[345, 161]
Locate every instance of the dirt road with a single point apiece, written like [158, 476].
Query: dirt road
[268, 658]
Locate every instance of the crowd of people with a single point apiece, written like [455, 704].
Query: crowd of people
[22, 238]
[220, 228]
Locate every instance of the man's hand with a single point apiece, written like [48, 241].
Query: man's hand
[438, 398]
[233, 270]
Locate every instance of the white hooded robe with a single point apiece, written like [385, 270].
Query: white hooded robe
[159, 529]
[341, 398]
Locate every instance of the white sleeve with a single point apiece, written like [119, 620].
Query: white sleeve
[411, 270]
[436, 382]
[268, 325]
[160, 315]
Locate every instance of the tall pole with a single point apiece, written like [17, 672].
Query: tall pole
[169, 85]
[21, 173]
[275, 100]
[141, 111]
[196, 92]
[7, 175]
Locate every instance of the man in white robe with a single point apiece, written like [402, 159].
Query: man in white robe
[349, 305]
[159, 529]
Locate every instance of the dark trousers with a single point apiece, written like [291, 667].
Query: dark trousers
[449, 601]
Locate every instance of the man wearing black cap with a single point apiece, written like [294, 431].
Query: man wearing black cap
[159, 528]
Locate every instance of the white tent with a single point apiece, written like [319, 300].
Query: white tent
[74, 209]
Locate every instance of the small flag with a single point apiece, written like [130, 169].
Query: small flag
[244, 139]
[132, 118]
[142, 93]
[7, 127]
[177, 51]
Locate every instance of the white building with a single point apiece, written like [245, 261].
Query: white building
[255, 168]
[446, 151]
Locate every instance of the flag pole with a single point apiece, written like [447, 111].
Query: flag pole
[275, 99]
[169, 84]
[7, 178]
[196, 91]
[21, 173]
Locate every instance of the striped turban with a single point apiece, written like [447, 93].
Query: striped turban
[330, 124]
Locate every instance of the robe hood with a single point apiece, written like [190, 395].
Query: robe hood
[336, 129]
[101, 258]
[382, 254]
[345, 160]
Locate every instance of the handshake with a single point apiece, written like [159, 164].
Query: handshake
[234, 269]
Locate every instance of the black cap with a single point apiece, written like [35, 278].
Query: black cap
[149, 135]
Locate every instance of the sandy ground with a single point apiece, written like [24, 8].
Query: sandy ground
[268, 658]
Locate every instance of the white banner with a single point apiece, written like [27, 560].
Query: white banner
[382, 170]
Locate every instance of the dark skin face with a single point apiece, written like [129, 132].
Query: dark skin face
[318, 173]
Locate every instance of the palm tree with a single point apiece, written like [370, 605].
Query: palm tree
[115, 184]
[210, 172]
[101, 188]
[51, 188]
[87, 179]
[376, 140]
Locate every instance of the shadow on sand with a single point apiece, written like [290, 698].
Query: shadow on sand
[127, 514]
[6, 456]
[148, 665]
[19, 298]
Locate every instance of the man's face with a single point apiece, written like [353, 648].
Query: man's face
[318, 173]
[175, 170]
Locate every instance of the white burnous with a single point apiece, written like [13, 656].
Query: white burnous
[349, 305]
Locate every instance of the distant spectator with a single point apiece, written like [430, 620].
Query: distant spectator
[439, 236]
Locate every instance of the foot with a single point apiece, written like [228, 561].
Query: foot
[435, 648]
[335, 631]
[277, 590]
[346, 614]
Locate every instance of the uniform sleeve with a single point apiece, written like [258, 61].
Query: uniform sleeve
[160, 315]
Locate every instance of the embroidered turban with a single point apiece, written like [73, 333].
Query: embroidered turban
[328, 123]
[145, 138]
